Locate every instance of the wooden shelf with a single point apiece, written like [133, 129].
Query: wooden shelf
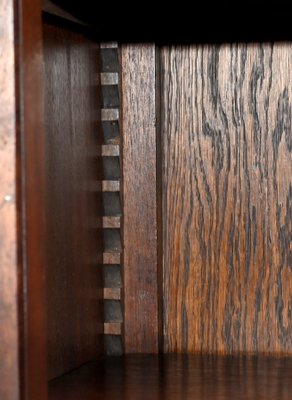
[177, 377]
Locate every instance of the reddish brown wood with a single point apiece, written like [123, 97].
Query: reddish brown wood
[227, 198]
[9, 334]
[21, 130]
[139, 198]
[74, 247]
[32, 196]
[176, 377]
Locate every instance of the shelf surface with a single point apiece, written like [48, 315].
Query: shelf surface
[175, 377]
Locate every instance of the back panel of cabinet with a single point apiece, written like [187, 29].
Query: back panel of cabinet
[227, 198]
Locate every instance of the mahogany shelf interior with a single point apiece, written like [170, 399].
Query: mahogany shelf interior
[150, 377]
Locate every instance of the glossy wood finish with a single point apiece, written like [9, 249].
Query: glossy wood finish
[175, 377]
[74, 246]
[139, 198]
[226, 130]
[9, 354]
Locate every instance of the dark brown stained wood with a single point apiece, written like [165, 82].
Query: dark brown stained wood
[74, 247]
[227, 198]
[22, 358]
[139, 198]
[31, 296]
[177, 377]
[9, 356]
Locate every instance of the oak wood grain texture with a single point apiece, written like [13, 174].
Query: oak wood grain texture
[9, 356]
[177, 377]
[74, 247]
[227, 193]
[139, 198]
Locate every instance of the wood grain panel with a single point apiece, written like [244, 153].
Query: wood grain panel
[74, 247]
[139, 198]
[227, 198]
[22, 311]
[32, 224]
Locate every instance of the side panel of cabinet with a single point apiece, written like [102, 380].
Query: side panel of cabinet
[22, 347]
[73, 199]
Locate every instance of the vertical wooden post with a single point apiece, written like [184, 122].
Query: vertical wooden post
[22, 339]
[141, 325]
[9, 376]
[32, 175]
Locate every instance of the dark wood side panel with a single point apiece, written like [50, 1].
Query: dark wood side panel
[22, 314]
[31, 122]
[227, 198]
[74, 215]
[139, 199]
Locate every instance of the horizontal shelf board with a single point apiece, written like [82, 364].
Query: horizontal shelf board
[109, 78]
[176, 376]
[110, 114]
[110, 186]
[110, 150]
[111, 258]
[112, 294]
[111, 222]
[112, 328]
